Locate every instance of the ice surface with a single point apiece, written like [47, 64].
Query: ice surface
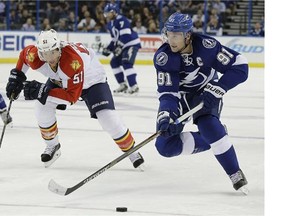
[192, 185]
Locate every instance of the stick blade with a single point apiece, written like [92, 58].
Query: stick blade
[56, 188]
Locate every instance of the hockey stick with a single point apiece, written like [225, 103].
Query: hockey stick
[4, 128]
[58, 189]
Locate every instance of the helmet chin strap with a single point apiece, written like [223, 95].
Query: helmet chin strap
[186, 45]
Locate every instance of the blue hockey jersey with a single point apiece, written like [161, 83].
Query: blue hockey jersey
[122, 33]
[189, 73]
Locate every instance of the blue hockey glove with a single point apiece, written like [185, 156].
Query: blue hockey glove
[165, 124]
[212, 95]
[36, 90]
[106, 52]
[15, 84]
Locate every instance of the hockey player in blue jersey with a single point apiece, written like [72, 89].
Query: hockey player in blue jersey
[124, 45]
[7, 119]
[186, 66]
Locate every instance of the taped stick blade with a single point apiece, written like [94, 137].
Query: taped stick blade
[56, 188]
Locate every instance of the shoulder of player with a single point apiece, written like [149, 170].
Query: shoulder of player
[70, 61]
[163, 48]
[121, 18]
[165, 59]
[31, 58]
[204, 42]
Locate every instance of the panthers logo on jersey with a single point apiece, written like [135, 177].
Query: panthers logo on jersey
[75, 65]
[31, 56]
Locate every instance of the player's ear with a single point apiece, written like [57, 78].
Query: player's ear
[188, 37]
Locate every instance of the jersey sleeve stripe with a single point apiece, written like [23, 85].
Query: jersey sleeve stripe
[125, 31]
[240, 59]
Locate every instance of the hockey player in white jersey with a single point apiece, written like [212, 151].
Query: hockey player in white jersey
[73, 71]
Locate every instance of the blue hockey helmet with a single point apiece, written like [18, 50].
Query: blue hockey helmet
[179, 22]
[111, 7]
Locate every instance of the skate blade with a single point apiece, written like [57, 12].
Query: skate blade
[55, 157]
[132, 95]
[126, 94]
[244, 190]
[141, 168]
[9, 125]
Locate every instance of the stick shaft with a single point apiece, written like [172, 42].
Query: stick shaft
[4, 127]
[56, 188]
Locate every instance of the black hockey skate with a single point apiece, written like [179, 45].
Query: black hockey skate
[50, 155]
[239, 182]
[137, 160]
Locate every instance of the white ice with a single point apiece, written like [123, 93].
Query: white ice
[193, 185]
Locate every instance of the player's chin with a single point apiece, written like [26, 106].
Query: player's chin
[53, 63]
[174, 49]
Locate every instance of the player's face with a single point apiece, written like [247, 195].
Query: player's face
[51, 57]
[109, 15]
[176, 41]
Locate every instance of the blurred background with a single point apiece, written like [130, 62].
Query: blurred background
[214, 17]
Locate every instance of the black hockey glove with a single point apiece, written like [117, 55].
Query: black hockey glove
[165, 124]
[15, 84]
[106, 52]
[36, 90]
[212, 95]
